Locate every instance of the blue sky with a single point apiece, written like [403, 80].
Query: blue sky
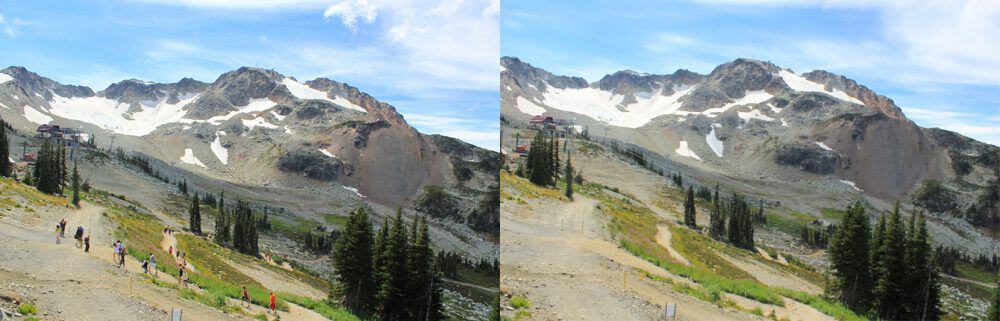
[435, 60]
[939, 61]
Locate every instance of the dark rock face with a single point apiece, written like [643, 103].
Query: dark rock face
[134, 91]
[526, 74]
[373, 106]
[731, 81]
[33, 83]
[362, 131]
[241, 85]
[311, 164]
[208, 105]
[809, 159]
[875, 101]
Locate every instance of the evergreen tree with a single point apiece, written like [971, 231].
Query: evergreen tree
[740, 223]
[922, 292]
[195, 215]
[435, 306]
[245, 230]
[542, 166]
[352, 262]
[378, 255]
[392, 292]
[875, 250]
[63, 172]
[891, 285]
[717, 223]
[495, 309]
[994, 312]
[221, 224]
[568, 176]
[46, 173]
[689, 210]
[6, 170]
[849, 254]
[76, 186]
[420, 259]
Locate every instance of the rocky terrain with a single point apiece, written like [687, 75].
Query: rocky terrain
[757, 123]
[304, 152]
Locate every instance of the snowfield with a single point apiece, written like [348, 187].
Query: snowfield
[528, 107]
[750, 97]
[254, 106]
[258, 122]
[220, 152]
[35, 116]
[110, 114]
[603, 105]
[799, 83]
[5, 78]
[189, 158]
[753, 114]
[302, 91]
[714, 142]
[686, 151]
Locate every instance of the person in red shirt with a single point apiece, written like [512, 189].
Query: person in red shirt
[274, 303]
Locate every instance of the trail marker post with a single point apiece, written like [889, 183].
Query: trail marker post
[670, 311]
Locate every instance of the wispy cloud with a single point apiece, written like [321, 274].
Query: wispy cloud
[481, 132]
[9, 27]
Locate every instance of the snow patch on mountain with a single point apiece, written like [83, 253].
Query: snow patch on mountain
[750, 97]
[5, 78]
[776, 110]
[327, 153]
[753, 114]
[258, 122]
[823, 146]
[302, 91]
[254, 106]
[851, 184]
[353, 189]
[799, 83]
[110, 114]
[278, 116]
[189, 158]
[528, 107]
[604, 105]
[714, 142]
[35, 116]
[686, 151]
[220, 152]
[4, 106]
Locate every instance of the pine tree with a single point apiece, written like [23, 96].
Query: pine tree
[420, 259]
[435, 306]
[76, 186]
[849, 254]
[922, 288]
[539, 163]
[221, 224]
[195, 215]
[63, 172]
[740, 223]
[890, 286]
[6, 169]
[568, 176]
[875, 250]
[46, 173]
[392, 292]
[495, 309]
[689, 210]
[353, 264]
[994, 312]
[717, 223]
[378, 256]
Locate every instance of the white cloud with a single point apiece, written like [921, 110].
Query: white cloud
[242, 4]
[482, 133]
[350, 11]
[8, 26]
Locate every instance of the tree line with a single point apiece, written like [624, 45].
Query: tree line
[886, 272]
[732, 222]
[390, 275]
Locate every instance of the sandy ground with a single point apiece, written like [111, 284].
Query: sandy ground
[68, 284]
[663, 238]
[555, 255]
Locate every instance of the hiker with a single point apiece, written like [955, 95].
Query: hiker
[79, 236]
[246, 296]
[124, 251]
[145, 266]
[180, 276]
[57, 234]
[171, 250]
[116, 250]
[274, 303]
[62, 228]
[86, 244]
[152, 264]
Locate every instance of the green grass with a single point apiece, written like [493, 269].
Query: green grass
[634, 226]
[323, 308]
[519, 302]
[832, 213]
[526, 188]
[972, 272]
[27, 308]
